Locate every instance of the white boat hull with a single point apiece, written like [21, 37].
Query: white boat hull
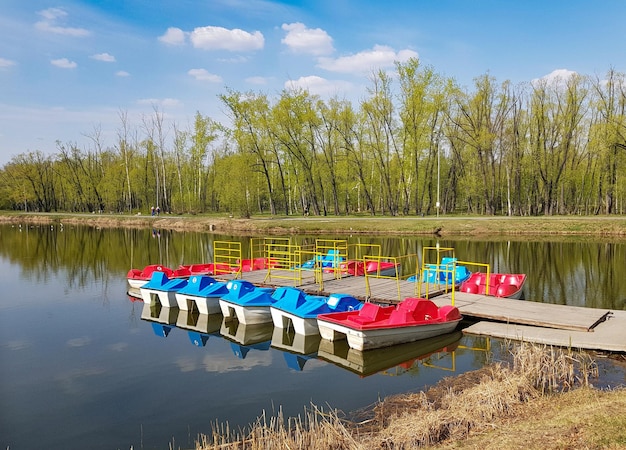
[301, 325]
[166, 298]
[382, 337]
[136, 284]
[248, 315]
[205, 305]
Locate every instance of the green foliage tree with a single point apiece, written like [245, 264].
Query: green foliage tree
[550, 147]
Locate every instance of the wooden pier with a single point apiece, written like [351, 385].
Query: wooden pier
[521, 320]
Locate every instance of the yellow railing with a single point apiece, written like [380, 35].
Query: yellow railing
[391, 275]
[284, 258]
[359, 250]
[227, 258]
[488, 271]
[436, 269]
[332, 253]
[311, 261]
[399, 268]
[257, 248]
[287, 262]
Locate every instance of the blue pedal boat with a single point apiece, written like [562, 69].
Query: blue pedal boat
[202, 291]
[247, 303]
[162, 289]
[293, 308]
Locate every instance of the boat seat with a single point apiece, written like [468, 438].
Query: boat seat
[423, 309]
[400, 316]
[448, 313]
[370, 312]
[290, 298]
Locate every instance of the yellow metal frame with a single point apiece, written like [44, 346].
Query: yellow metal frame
[286, 260]
[359, 250]
[397, 276]
[467, 263]
[439, 251]
[257, 248]
[227, 253]
[339, 249]
[311, 254]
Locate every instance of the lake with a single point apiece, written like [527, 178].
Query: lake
[83, 365]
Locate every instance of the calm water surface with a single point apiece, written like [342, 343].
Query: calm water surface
[84, 366]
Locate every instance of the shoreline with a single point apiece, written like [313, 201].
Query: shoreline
[493, 227]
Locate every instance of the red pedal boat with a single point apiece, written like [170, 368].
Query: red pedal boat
[138, 277]
[375, 326]
[504, 285]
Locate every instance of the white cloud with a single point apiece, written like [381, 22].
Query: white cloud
[204, 75]
[301, 39]
[380, 56]
[49, 23]
[122, 73]
[105, 57]
[319, 86]
[64, 63]
[558, 77]
[218, 38]
[5, 63]
[173, 36]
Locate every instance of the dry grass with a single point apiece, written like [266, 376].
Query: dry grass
[315, 430]
[461, 412]
[448, 226]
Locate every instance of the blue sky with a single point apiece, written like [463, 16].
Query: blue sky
[69, 67]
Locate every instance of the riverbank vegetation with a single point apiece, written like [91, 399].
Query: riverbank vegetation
[416, 144]
[540, 398]
[598, 227]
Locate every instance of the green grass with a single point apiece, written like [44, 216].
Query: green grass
[492, 227]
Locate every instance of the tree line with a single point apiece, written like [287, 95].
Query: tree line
[416, 144]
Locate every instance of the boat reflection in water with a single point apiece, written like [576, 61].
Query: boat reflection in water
[245, 337]
[199, 326]
[297, 348]
[368, 362]
[162, 318]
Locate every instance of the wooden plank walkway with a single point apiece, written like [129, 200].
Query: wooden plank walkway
[561, 325]
[525, 312]
[608, 336]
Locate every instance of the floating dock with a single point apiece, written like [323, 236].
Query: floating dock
[520, 320]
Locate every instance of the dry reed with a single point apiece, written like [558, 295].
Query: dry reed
[315, 430]
[451, 410]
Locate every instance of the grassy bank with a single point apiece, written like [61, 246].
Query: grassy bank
[444, 226]
[540, 399]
